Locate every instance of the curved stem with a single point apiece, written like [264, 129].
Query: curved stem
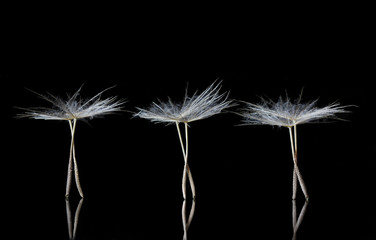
[186, 141]
[296, 142]
[187, 170]
[70, 164]
[294, 177]
[73, 154]
[294, 184]
[296, 169]
[76, 175]
[302, 184]
[181, 140]
[186, 161]
[184, 182]
[184, 190]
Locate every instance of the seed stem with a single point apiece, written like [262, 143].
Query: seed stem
[193, 189]
[187, 170]
[73, 166]
[294, 177]
[70, 163]
[296, 169]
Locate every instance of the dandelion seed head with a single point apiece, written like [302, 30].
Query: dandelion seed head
[196, 107]
[288, 113]
[74, 107]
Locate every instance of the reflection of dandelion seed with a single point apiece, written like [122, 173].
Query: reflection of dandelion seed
[204, 105]
[72, 226]
[187, 222]
[297, 221]
[289, 114]
[72, 109]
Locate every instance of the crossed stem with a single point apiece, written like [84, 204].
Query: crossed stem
[296, 175]
[187, 170]
[72, 165]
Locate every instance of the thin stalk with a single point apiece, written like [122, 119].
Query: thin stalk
[184, 190]
[296, 142]
[292, 144]
[294, 177]
[184, 182]
[75, 166]
[186, 166]
[76, 175]
[296, 169]
[70, 164]
[181, 140]
[294, 184]
[186, 141]
[193, 189]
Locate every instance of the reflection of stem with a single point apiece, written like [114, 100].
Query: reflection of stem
[72, 232]
[69, 218]
[186, 223]
[301, 215]
[192, 212]
[296, 169]
[296, 223]
[73, 166]
[186, 166]
[184, 218]
[76, 217]
[293, 214]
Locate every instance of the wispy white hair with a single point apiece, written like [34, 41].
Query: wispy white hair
[74, 107]
[199, 106]
[286, 113]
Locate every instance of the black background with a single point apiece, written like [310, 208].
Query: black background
[131, 169]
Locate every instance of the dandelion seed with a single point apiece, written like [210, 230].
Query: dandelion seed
[71, 110]
[289, 114]
[197, 107]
